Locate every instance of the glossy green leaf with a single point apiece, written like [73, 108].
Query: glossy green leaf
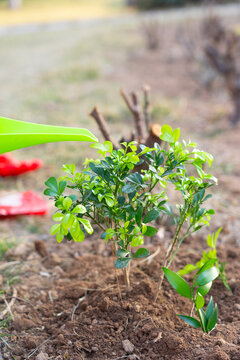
[121, 263]
[208, 264]
[151, 215]
[70, 169]
[199, 301]
[207, 276]
[138, 215]
[67, 221]
[76, 232]
[150, 231]
[190, 321]
[79, 209]
[52, 183]
[54, 229]
[57, 217]
[137, 241]
[187, 269]
[87, 226]
[109, 201]
[108, 146]
[67, 202]
[209, 309]
[178, 283]
[61, 187]
[203, 319]
[16, 134]
[203, 290]
[213, 319]
[128, 189]
[141, 253]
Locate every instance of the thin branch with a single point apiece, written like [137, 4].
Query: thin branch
[146, 107]
[98, 117]
[135, 109]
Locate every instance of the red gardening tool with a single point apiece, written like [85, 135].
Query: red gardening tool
[26, 203]
[12, 167]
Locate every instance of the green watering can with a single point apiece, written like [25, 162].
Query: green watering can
[16, 134]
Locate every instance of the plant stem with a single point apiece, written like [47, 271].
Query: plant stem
[168, 259]
[126, 273]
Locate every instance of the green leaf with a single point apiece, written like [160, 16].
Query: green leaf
[137, 241]
[127, 189]
[54, 229]
[121, 263]
[151, 215]
[76, 231]
[199, 301]
[62, 185]
[150, 231]
[190, 321]
[167, 134]
[176, 135]
[67, 202]
[208, 264]
[59, 236]
[138, 215]
[86, 224]
[141, 253]
[178, 283]
[209, 309]
[207, 276]
[187, 269]
[109, 201]
[108, 146]
[203, 319]
[50, 192]
[52, 183]
[69, 169]
[79, 209]
[57, 217]
[213, 319]
[122, 253]
[203, 290]
[67, 221]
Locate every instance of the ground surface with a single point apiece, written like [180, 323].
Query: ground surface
[88, 66]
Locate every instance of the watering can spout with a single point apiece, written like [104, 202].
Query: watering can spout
[15, 134]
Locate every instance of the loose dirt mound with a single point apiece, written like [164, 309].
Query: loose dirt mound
[73, 310]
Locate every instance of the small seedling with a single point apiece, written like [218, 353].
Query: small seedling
[201, 284]
[210, 255]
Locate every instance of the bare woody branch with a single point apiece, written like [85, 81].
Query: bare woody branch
[97, 116]
[135, 109]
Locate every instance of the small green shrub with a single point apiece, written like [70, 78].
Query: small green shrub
[126, 191]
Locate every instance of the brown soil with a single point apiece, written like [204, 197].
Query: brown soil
[68, 304]
[71, 305]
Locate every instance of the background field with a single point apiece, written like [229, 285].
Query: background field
[57, 10]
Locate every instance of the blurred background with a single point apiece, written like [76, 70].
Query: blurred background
[60, 58]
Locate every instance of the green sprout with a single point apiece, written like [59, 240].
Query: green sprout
[210, 255]
[201, 284]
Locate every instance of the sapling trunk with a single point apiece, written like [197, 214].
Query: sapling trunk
[126, 274]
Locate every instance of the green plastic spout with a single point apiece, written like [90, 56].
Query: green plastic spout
[15, 134]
